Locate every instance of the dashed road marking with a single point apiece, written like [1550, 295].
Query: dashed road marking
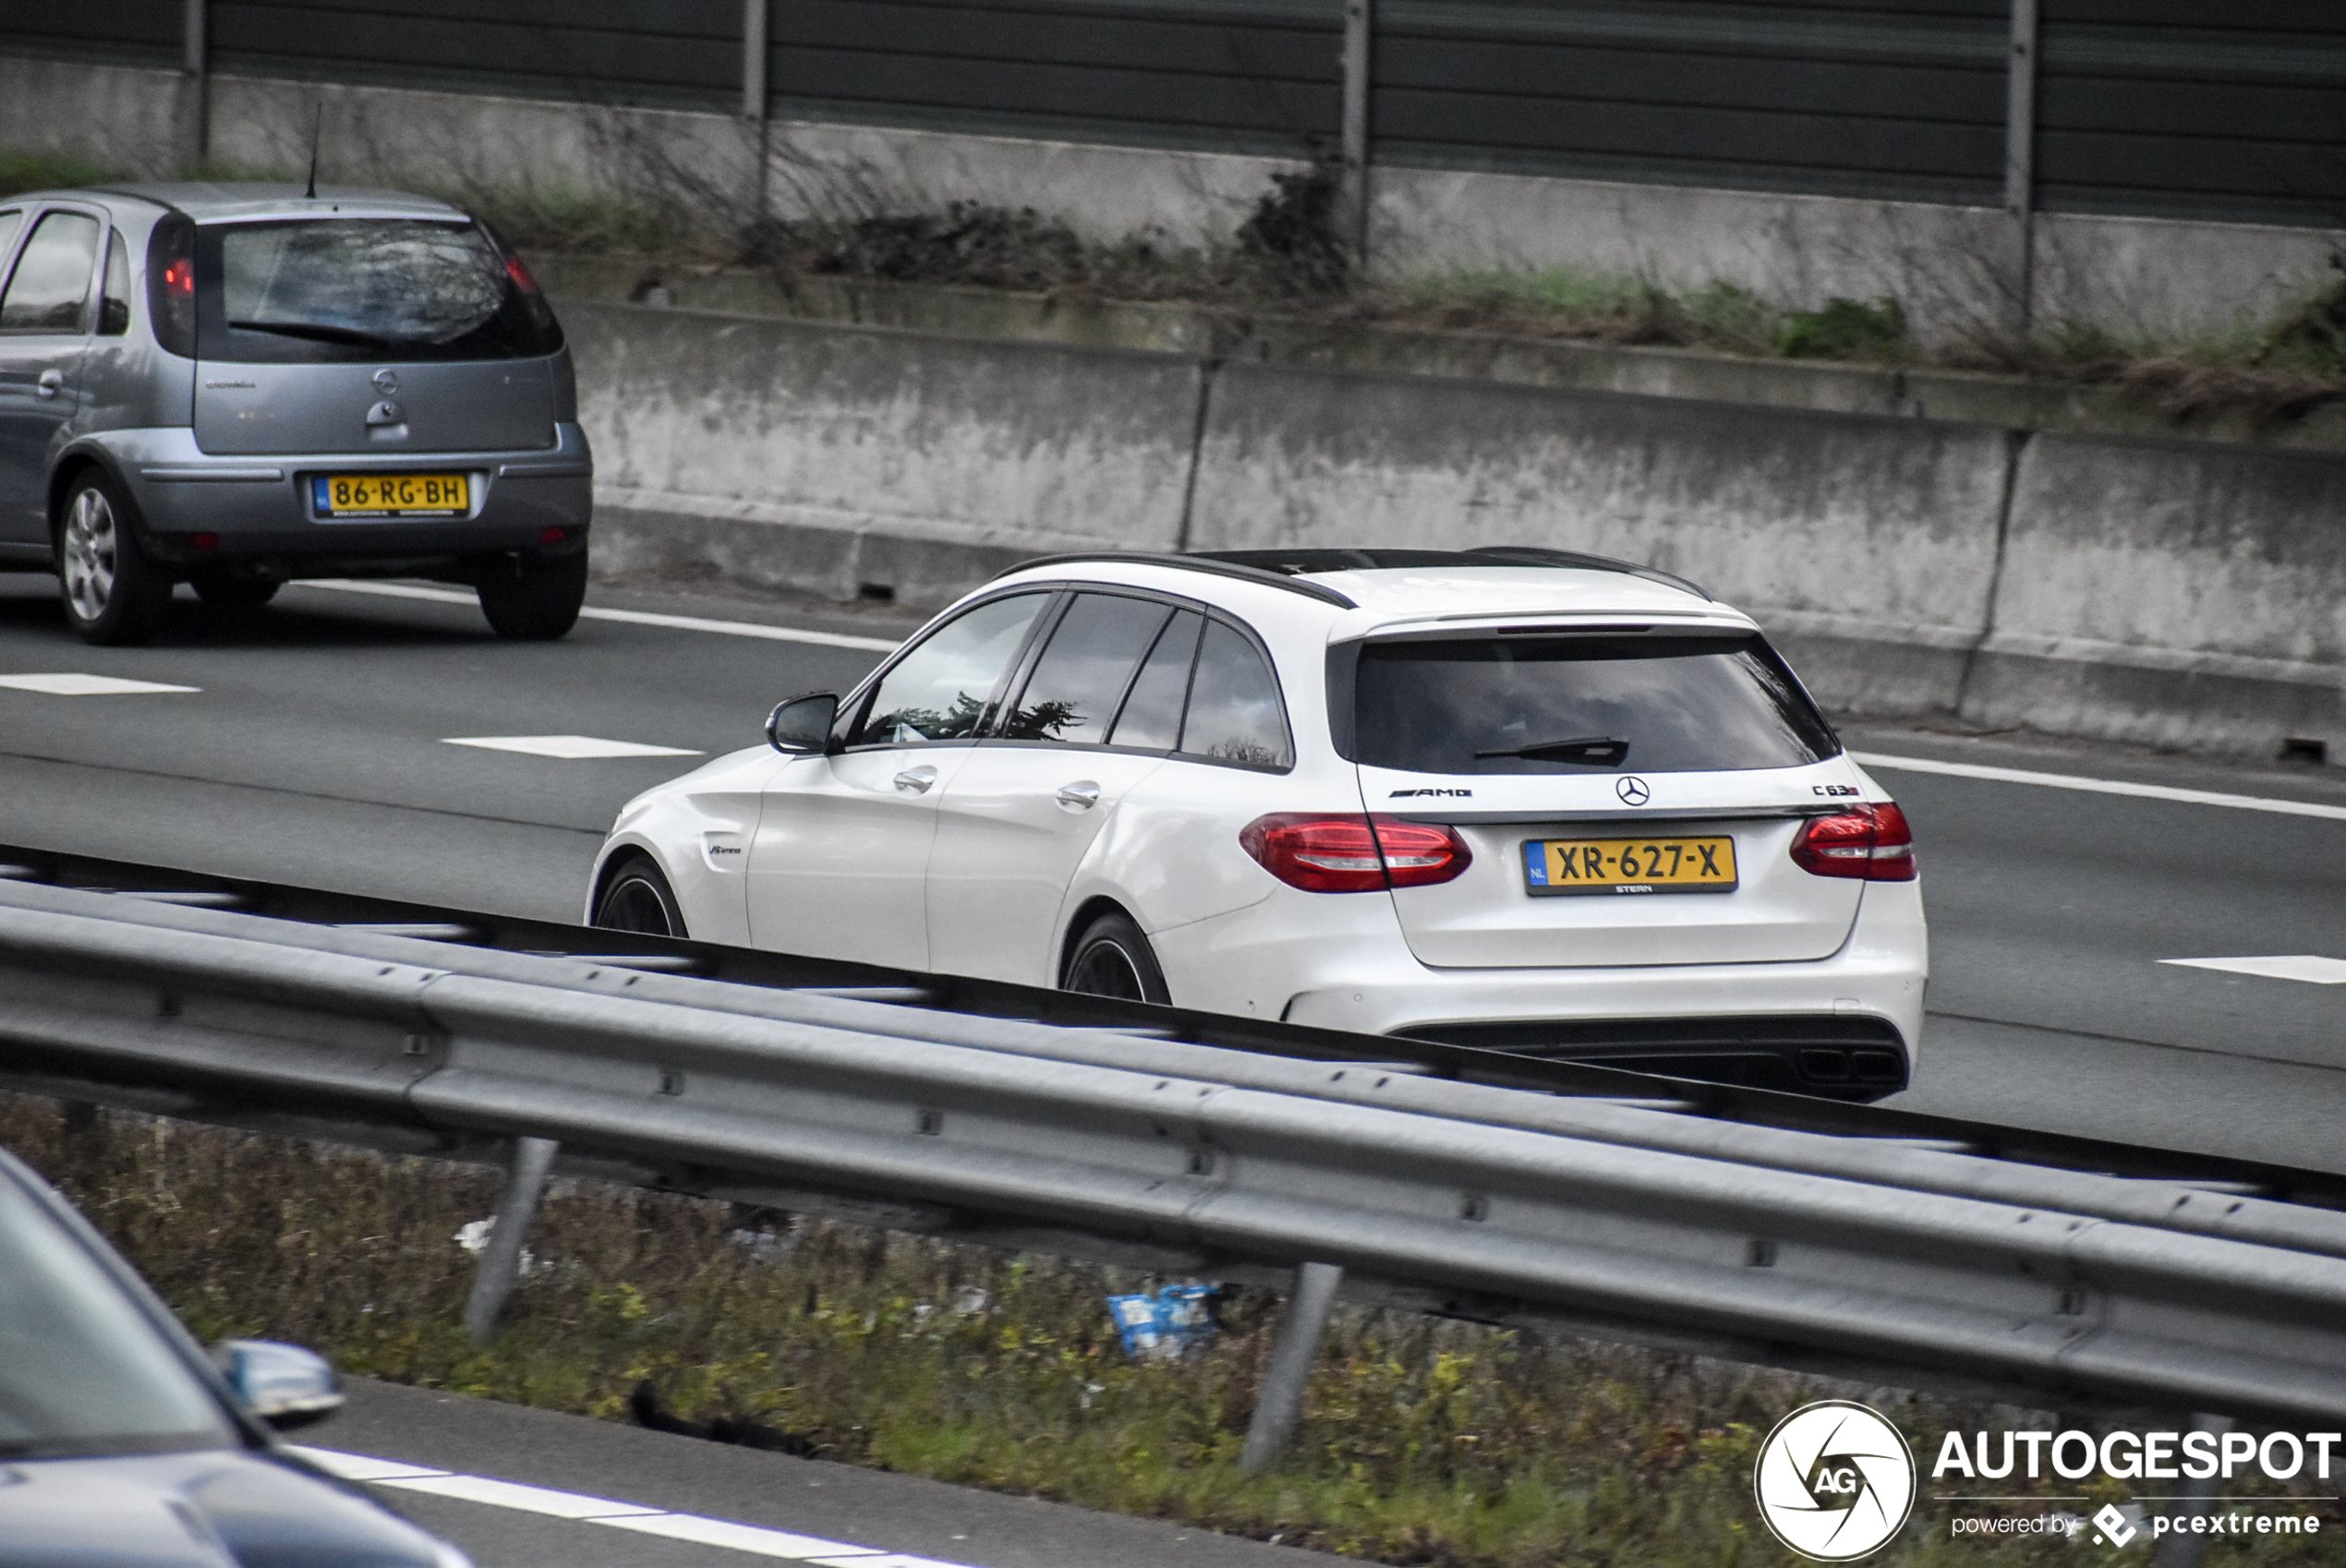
[569, 748]
[627, 617]
[2310, 967]
[2099, 786]
[87, 686]
[756, 1540]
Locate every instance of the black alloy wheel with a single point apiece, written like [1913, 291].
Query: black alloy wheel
[1112, 959]
[637, 898]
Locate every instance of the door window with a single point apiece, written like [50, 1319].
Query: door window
[1085, 669]
[1152, 714]
[50, 288]
[1235, 715]
[9, 223]
[944, 689]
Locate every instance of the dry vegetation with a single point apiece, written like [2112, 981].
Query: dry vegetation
[1425, 1442]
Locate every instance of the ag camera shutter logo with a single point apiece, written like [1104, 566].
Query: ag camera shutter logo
[1835, 1481]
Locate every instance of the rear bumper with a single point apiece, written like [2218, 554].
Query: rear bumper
[257, 513]
[1847, 1025]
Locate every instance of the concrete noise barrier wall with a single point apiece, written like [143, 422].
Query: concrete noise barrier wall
[2156, 592]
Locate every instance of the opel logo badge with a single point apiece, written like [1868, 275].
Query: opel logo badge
[386, 380]
[1633, 790]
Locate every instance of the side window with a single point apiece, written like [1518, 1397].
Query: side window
[942, 689]
[50, 287]
[114, 313]
[9, 223]
[1152, 716]
[1234, 705]
[1090, 660]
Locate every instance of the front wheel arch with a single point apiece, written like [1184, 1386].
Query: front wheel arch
[640, 868]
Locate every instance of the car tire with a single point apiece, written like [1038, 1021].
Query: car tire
[636, 897]
[236, 593]
[1112, 959]
[114, 594]
[541, 603]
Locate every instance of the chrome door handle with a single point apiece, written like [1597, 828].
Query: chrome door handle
[1080, 796]
[51, 382]
[916, 779]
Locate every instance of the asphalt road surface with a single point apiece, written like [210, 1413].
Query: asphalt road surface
[316, 748]
[533, 1489]
[333, 739]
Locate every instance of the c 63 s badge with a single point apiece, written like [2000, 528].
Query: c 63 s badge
[1835, 1481]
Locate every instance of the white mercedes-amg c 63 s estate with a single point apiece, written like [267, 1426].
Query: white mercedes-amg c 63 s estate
[1511, 798]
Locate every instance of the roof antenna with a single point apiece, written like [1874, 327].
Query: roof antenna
[317, 128]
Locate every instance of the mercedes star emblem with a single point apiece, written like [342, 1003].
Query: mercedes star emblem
[1633, 791]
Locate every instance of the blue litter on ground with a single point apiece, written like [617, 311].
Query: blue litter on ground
[1170, 1323]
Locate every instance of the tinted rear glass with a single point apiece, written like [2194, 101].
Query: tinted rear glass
[1669, 705]
[350, 290]
[1084, 671]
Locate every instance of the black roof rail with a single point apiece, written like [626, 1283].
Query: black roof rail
[1219, 566]
[1535, 555]
[1286, 568]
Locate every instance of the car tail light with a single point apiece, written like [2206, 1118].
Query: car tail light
[171, 285]
[520, 274]
[1870, 843]
[1354, 854]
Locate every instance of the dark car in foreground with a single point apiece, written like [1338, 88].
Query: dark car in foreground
[237, 385]
[121, 1442]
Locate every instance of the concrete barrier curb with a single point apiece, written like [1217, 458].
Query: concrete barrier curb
[2170, 593]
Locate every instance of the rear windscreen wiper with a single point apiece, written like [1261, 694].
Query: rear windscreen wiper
[320, 330]
[1597, 751]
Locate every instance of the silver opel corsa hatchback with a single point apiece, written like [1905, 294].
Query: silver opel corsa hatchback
[235, 385]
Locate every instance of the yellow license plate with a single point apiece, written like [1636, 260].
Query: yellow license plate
[392, 495]
[1629, 865]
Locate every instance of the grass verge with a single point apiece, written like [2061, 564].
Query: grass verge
[1425, 1442]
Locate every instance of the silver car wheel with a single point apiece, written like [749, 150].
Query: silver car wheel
[91, 543]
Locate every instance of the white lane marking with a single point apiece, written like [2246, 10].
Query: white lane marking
[753, 1538]
[512, 1494]
[627, 617]
[570, 748]
[742, 1537]
[2309, 966]
[2099, 785]
[87, 686]
[358, 1467]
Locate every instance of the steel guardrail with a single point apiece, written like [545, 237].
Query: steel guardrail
[1762, 1242]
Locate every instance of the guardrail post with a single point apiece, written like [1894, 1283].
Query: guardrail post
[195, 84]
[501, 1259]
[2189, 1551]
[2020, 165]
[1359, 24]
[1281, 1406]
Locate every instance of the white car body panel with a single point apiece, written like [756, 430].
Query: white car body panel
[1007, 844]
[988, 873]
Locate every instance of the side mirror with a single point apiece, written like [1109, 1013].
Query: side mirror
[802, 727]
[284, 1384]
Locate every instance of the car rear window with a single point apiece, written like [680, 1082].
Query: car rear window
[1642, 702]
[342, 290]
